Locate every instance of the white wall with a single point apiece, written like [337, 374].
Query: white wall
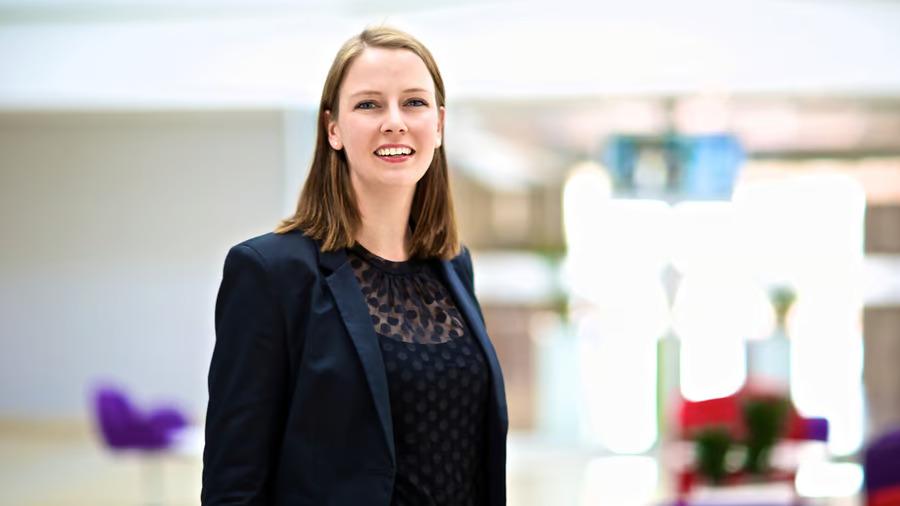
[113, 229]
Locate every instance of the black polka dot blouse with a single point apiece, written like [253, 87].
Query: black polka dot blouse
[437, 378]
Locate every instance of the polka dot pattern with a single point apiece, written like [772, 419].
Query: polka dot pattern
[437, 380]
[406, 300]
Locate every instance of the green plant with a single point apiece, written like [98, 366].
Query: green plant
[782, 297]
[765, 421]
[713, 444]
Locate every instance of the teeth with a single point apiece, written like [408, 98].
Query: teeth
[393, 151]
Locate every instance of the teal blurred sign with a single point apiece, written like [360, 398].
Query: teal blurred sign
[673, 167]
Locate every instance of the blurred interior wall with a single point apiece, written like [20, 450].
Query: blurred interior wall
[881, 324]
[528, 219]
[114, 227]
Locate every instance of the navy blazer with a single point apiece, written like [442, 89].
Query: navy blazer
[298, 409]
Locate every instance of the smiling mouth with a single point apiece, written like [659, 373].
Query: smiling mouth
[393, 153]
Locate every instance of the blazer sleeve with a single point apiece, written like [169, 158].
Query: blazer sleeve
[247, 390]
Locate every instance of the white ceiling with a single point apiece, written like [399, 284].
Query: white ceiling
[532, 86]
[140, 53]
[37, 11]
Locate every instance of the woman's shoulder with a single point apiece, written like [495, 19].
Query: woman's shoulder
[291, 243]
[463, 258]
[283, 253]
[462, 262]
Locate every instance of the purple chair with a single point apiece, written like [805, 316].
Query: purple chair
[125, 427]
[881, 462]
[149, 434]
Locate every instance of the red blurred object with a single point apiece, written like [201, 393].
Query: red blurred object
[723, 412]
[884, 497]
[726, 412]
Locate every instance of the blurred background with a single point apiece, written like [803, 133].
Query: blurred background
[684, 217]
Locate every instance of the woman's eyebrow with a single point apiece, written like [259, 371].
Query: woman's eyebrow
[373, 92]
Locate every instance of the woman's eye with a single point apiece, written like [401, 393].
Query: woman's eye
[418, 101]
[365, 105]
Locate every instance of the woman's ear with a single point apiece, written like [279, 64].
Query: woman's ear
[440, 127]
[334, 134]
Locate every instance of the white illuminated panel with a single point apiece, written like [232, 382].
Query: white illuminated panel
[623, 481]
[616, 250]
[809, 229]
[803, 231]
[829, 479]
[618, 374]
[719, 303]
[584, 197]
[712, 365]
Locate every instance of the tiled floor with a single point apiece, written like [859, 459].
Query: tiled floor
[56, 464]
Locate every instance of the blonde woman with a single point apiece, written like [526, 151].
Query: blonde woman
[351, 364]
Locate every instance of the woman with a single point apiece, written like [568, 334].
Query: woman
[351, 364]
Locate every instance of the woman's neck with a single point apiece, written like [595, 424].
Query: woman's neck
[385, 223]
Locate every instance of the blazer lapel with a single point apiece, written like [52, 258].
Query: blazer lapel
[352, 307]
[355, 315]
[476, 326]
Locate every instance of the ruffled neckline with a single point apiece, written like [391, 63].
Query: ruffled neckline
[410, 266]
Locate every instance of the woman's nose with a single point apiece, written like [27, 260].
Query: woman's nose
[393, 122]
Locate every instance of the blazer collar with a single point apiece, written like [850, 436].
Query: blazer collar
[355, 314]
[331, 261]
[466, 304]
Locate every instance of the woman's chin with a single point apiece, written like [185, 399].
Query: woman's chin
[399, 177]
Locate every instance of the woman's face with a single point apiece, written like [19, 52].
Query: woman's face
[388, 124]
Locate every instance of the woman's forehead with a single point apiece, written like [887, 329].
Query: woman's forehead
[385, 71]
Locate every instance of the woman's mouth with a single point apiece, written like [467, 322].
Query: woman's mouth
[394, 155]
